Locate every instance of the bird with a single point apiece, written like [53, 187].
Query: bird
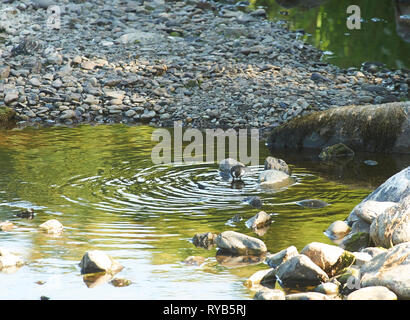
[28, 214]
[237, 172]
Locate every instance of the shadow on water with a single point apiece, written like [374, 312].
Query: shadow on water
[384, 35]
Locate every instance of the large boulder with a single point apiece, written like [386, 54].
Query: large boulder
[371, 128]
[239, 243]
[331, 259]
[394, 189]
[300, 271]
[390, 269]
[370, 209]
[98, 261]
[392, 226]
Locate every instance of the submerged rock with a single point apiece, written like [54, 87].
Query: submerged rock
[98, 261]
[392, 226]
[312, 203]
[194, 260]
[120, 282]
[331, 259]
[372, 128]
[7, 116]
[231, 260]
[9, 260]
[6, 226]
[339, 150]
[239, 243]
[254, 201]
[390, 269]
[372, 293]
[276, 164]
[300, 271]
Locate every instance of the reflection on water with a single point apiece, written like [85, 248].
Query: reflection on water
[100, 183]
[384, 36]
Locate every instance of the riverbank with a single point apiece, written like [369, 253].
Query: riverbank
[202, 64]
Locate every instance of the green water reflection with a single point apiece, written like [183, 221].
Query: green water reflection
[100, 183]
[384, 36]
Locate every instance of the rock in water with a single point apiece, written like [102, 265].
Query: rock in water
[254, 201]
[312, 203]
[238, 243]
[52, 226]
[204, 240]
[274, 178]
[8, 260]
[392, 226]
[366, 128]
[227, 164]
[390, 269]
[339, 150]
[300, 271]
[337, 230]
[98, 261]
[260, 220]
[276, 164]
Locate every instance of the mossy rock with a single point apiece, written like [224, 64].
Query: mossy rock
[339, 150]
[343, 263]
[175, 34]
[349, 272]
[356, 241]
[370, 128]
[7, 117]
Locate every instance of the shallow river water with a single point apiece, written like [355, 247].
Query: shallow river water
[101, 184]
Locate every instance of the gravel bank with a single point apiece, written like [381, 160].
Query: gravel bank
[205, 64]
